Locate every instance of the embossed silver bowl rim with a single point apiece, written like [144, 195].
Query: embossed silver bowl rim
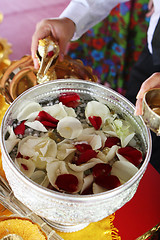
[77, 198]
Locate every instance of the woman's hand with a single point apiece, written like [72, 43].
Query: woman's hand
[61, 29]
[152, 82]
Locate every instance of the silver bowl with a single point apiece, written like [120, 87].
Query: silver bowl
[151, 110]
[69, 212]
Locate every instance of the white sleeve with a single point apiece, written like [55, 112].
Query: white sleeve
[87, 13]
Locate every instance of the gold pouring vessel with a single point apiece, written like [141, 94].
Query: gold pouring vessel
[21, 74]
[151, 109]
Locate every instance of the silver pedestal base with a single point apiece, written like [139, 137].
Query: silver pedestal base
[66, 228]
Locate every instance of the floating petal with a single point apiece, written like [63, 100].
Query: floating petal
[124, 170]
[26, 109]
[86, 156]
[111, 153]
[67, 183]
[130, 154]
[110, 141]
[96, 121]
[101, 169]
[26, 166]
[109, 182]
[95, 108]
[87, 181]
[64, 148]
[36, 125]
[85, 166]
[57, 111]
[12, 140]
[69, 99]
[69, 127]
[20, 129]
[70, 111]
[98, 189]
[39, 177]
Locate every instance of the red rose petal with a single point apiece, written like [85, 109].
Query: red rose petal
[44, 116]
[72, 104]
[49, 124]
[20, 129]
[86, 156]
[24, 167]
[131, 154]
[69, 99]
[19, 155]
[108, 182]
[96, 121]
[67, 182]
[101, 169]
[50, 54]
[47, 120]
[111, 141]
[82, 147]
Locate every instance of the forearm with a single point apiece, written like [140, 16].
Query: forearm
[86, 13]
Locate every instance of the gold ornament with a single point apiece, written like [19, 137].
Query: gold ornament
[1, 17]
[151, 233]
[47, 54]
[5, 50]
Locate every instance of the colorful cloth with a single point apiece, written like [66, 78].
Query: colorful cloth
[114, 45]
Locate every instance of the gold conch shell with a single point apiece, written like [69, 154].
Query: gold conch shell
[47, 54]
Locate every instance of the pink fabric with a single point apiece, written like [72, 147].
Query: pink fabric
[20, 19]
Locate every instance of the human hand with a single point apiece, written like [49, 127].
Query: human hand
[150, 8]
[61, 29]
[152, 82]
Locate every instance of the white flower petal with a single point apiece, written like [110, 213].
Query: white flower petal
[64, 149]
[31, 117]
[57, 111]
[88, 131]
[103, 136]
[12, 140]
[126, 140]
[112, 153]
[36, 125]
[45, 182]
[69, 127]
[40, 164]
[27, 145]
[123, 170]
[98, 189]
[87, 181]
[85, 166]
[38, 176]
[26, 166]
[50, 148]
[95, 142]
[92, 139]
[26, 109]
[70, 111]
[48, 159]
[95, 108]
[102, 156]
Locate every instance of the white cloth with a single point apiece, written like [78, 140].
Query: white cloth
[87, 13]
